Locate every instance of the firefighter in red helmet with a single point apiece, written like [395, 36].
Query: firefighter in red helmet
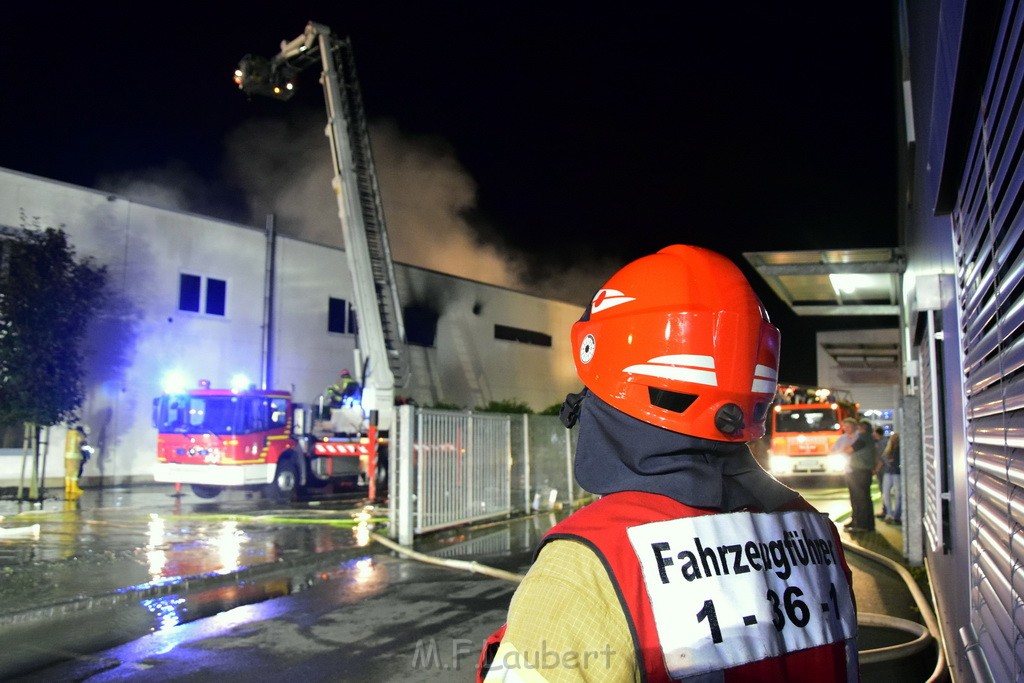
[694, 562]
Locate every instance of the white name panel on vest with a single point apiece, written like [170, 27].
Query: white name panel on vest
[735, 588]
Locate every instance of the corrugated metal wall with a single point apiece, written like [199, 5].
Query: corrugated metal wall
[988, 227]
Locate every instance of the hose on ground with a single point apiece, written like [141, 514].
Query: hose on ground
[939, 673]
[469, 566]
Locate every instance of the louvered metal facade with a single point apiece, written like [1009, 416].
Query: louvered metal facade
[988, 224]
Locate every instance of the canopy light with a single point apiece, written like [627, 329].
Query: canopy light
[848, 283]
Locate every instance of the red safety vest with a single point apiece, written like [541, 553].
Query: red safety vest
[602, 527]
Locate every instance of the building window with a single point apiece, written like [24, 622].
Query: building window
[420, 325]
[216, 293]
[341, 317]
[188, 292]
[522, 336]
[194, 290]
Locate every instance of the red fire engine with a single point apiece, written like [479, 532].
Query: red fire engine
[214, 439]
[806, 422]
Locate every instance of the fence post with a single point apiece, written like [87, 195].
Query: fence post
[406, 436]
[527, 484]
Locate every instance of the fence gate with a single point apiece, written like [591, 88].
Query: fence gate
[449, 468]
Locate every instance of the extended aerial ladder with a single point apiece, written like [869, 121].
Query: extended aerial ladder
[381, 332]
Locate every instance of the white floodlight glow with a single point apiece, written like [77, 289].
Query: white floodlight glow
[240, 382]
[848, 283]
[174, 382]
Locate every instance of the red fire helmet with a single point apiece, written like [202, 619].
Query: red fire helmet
[680, 340]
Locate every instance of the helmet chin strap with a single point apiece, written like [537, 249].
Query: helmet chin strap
[569, 413]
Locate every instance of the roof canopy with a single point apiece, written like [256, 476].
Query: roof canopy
[834, 282]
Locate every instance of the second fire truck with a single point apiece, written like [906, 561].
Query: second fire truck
[805, 424]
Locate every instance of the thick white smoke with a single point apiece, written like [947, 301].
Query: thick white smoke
[283, 167]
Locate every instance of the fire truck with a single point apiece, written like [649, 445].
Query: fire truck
[261, 440]
[244, 436]
[806, 423]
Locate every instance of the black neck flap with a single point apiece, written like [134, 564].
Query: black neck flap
[616, 452]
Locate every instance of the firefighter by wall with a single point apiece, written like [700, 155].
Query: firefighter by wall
[694, 562]
[76, 453]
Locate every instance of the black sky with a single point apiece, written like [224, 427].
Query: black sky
[590, 135]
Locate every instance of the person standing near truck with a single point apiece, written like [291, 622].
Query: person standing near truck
[859, 473]
[892, 498]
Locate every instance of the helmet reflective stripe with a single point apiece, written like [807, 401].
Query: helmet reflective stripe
[606, 298]
[685, 359]
[670, 367]
[766, 380]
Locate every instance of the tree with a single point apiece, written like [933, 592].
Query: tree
[47, 299]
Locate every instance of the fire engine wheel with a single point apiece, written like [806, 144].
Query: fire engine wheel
[204, 491]
[285, 486]
[382, 474]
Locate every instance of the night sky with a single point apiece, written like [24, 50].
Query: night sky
[553, 142]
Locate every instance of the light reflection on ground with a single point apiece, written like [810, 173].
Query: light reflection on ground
[112, 541]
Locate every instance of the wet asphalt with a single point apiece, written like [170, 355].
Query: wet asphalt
[138, 584]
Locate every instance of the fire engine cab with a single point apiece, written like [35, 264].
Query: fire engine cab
[806, 423]
[256, 439]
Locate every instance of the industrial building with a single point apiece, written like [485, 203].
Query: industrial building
[195, 295]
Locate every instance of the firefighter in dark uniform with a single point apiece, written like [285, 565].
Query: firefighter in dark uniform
[694, 563]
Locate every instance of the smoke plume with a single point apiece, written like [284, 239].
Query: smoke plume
[282, 166]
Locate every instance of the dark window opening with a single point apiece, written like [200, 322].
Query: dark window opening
[188, 292]
[193, 289]
[216, 294]
[420, 325]
[337, 313]
[341, 317]
[522, 336]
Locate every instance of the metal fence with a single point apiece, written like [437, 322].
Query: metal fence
[450, 468]
[542, 457]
